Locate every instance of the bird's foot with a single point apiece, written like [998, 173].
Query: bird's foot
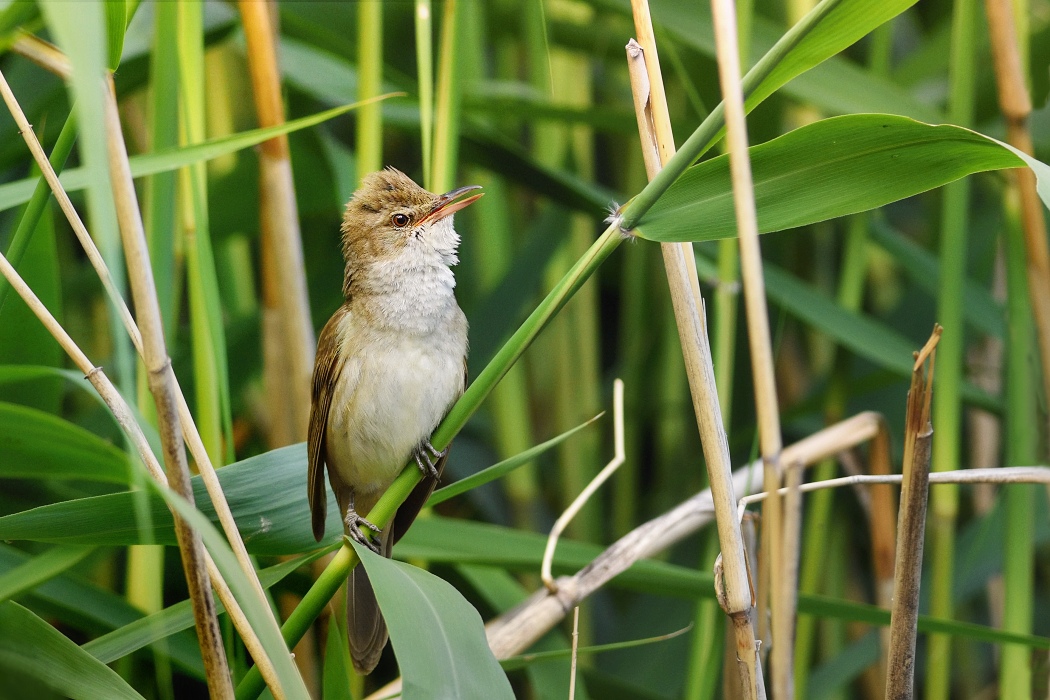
[426, 454]
[354, 523]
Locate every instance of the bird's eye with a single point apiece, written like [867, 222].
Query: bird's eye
[399, 220]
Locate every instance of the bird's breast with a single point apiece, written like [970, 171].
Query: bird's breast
[393, 391]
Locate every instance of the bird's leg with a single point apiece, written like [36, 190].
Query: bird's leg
[426, 454]
[354, 522]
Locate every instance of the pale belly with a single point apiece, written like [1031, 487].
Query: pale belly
[390, 400]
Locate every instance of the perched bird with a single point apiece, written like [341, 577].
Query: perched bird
[390, 363]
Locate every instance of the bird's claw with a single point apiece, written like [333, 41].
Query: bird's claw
[425, 456]
[354, 523]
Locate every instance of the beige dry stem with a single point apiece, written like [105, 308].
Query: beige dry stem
[654, 127]
[52, 59]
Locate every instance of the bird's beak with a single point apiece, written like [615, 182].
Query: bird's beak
[450, 202]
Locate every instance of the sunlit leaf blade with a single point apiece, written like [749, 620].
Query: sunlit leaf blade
[38, 445]
[32, 649]
[437, 635]
[834, 167]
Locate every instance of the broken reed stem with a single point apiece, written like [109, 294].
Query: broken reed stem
[519, 628]
[189, 427]
[162, 385]
[654, 129]
[288, 337]
[1016, 106]
[780, 547]
[562, 522]
[918, 438]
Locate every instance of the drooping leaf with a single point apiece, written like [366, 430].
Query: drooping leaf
[437, 635]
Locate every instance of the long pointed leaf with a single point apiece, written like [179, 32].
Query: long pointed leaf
[831, 168]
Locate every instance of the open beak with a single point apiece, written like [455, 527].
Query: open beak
[450, 202]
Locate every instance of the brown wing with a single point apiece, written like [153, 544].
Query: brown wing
[326, 371]
[408, 510]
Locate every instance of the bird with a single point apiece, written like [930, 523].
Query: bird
[391, 361]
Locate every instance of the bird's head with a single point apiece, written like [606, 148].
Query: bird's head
[391, 223]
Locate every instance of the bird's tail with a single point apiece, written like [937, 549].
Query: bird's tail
[364, 622]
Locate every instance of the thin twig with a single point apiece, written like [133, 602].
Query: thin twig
[654, 126]
[995, 475]
[904, 615]
[585, 495]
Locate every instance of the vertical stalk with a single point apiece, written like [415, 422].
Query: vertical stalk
[734, 580]
[288, 338]
[1016, 106]
[449, 89]
[819, 504]
[370, 84]
[947, 416]
[1025, 246]
[773, 535]
[904, 615]
[425, 77]
[208, 339]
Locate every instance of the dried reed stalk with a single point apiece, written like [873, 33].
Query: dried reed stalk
[161, 381]
[54, 60]
[51, 58]
[288, 337]
[654, 128]
[1016, 106]
[126, 420]
[780, 543]
[911, 525]
[519, 628]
